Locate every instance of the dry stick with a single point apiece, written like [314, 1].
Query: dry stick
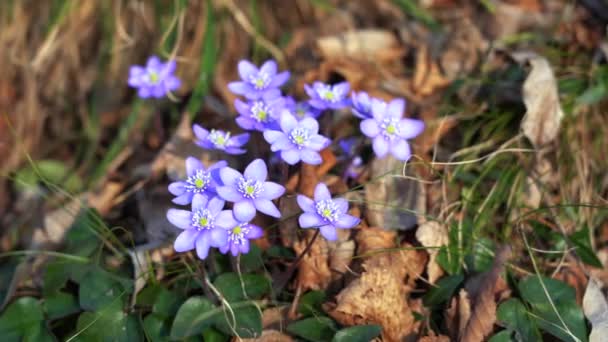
[292, 268]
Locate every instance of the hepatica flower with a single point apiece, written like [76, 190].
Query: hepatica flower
[301, 109]
[155, 79]
[297, 140]
[389, 131]
[250, 191]
[362, 105]
[325, 96]
[257, 83]
[205, 226]
[239, 235]
[260, 114]
[199, 181]
[325, 213]
[220, 140]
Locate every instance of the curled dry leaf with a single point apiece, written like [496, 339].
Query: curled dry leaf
[543, 109]
[313, 271]
[458, 314]
[367, 44]
[428, 76]
[432, 234]
[483, 316]
[595, 308]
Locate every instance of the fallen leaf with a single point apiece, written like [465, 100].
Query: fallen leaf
[432, 234]
[543, 109]
[483, 316]
[313, 271]
[427, 77]
[371, 44]
[595, 308]
[269, 336]
[439, 338]
[458, 314]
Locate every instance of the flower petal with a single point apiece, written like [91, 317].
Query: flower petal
[291, 156]
[396, 108]
[269, 67]
[347, 221]
[229, 193]
[225, 220]
[410, 128]
[308, 220]
[369, 127]
[280, 144]
[330, 233]
[378, 109]
[322, 192]
[272, 190]
[192, 165]
[239, 140]
[215, 205]
[153, 63]
[267, 207]
[243, 248]
[229, 176]
[177, 188]
[179, 218]
[185, 240]
[218, 237]
[342, 205]
[183, 199]
[380, 146]
[244, 211]
[256, 170]
[318, 142]
[271, 136]
[288, 122]
[400, 149]
[279, 79]
[199, 202]
[254, 232]
[239, 88]
[246, 69]
[312, 125]
[203, 245]
[306, 204]
[310, 157]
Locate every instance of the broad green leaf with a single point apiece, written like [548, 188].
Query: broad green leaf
[7, 269]
[212, 335]
[555, 309]
[192, 318]
[443, 290]
[314, 329]
[147, 296]
[503, 336]
[310, 303]
[38, 333]
[155, 327]
[592, 95]
[109, 323]
[581, 241]
[60, 304]
[359, 333]
[19, 317]
[253, 260]
[97, 290]
[167, 303]
[246, 323]
[56, 274]
[49, 170]
[247, 286]
[513, 314]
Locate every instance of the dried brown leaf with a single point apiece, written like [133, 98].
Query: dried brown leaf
[432, 234]
[269, 336]
[595, 308]
[440, 338]
[370, 44]
[313, 271]
[458, 314]
[428, 76]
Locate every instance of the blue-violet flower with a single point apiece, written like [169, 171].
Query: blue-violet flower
[203, 227]
[156, 79]
[260, 114]
[250, 191]
[220, 140]
[325, 96]
[362, 104]
[257, 83]
[198, 181]
[239, 235]
[325, 213]
[297, 140]
[301, 109]
[389, 131]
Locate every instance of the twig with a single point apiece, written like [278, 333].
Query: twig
[287, 275]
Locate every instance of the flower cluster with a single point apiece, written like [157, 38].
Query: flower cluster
[292, 131]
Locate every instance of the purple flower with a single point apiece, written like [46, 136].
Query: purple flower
[156, 79]
[199, 181]
[220, 140]
[325, 96]
[354, 168]
[362, 104]
[257, 83]
[325, 213]
[260, 114]
[348, 146]
[239, 235]
[301, 109]
[297, 140]
[389, 131]
[250, 191]
[203, 227]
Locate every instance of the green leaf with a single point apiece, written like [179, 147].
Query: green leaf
[155, 327]
[39, 333]
[581, 240]
[52, 171]
[21, 316]
[503, 336]
[167, 303]
[109, 323]
[192, 318]
[314, 329]
[310, 303]
[564, 302]
[7, 270]
[253, 260]
[359, 333]
[212, 335]
[443, 290]
[513, 314]
[248, 286]
[60, 304]
[592, 95]
[246, 323]
[149, 294]
[97, 289]
[480, 260]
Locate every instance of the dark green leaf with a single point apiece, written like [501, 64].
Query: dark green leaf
[52, 171]
[314, 329]
[359, 333]
[39, 333]
[581, 240]
[443, 290]
[247, 286]
[480, 260]
[21, 316]
[503, 336]
[147, 296]
[252, 261]
[192, 318]
[310, 303]
[97, 290]
[109, 323]
[246, 322]
[60, 304]
[167, 303]
[592, 95]
[513, 314]
[6, 275]
[155, 327]
[212, 335]
[555, 309]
